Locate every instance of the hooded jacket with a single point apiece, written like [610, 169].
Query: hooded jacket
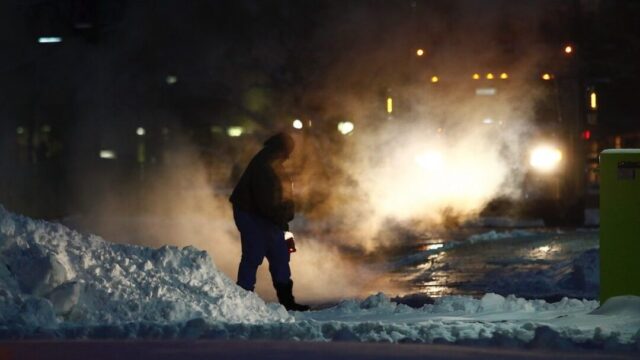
[264, 189]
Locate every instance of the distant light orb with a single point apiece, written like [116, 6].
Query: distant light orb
[435, 79]
[346, 127]
[297, 124]
[235, 131]
[475, 76]
[20, 130]
[49, 39]
[546, 76]
[420, 52]
[171, 79]
[490, 76]
[107, 154]
[568, 49]
[504, 76]
[487, 121]
[140, 131]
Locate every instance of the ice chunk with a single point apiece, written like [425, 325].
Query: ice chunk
[65, 296]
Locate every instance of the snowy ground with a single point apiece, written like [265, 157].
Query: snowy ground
[57, 283]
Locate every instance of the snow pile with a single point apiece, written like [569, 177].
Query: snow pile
[51, 275]
[57, 283]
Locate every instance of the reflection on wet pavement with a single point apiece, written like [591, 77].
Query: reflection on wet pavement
[535, 263]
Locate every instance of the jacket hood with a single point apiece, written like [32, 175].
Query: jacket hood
[280, 143]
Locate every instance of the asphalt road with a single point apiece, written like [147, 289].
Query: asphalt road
[245, 350]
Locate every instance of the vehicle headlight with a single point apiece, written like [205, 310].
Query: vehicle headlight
[431, 160]
[545, 158]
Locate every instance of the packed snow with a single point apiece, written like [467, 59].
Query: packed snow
[55, 282]
[51, 275]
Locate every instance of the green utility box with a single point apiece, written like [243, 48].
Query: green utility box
[619, 223]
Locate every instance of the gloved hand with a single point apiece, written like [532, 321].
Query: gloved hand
[291, 244]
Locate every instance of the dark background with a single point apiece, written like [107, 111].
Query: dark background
[187, 70]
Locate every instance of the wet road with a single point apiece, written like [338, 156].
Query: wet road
[532, 263]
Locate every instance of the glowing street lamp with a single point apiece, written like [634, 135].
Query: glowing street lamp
[435, 79]
[475, 76]
[297, 124]
[235, 131]
[49, 39]
[107, 154]
[346, 127]
[568, 49]
[140, 131]
[490, 76]
[420, 52]
[504, 76]
[546, 76]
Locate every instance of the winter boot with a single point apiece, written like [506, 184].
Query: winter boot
[285, 296]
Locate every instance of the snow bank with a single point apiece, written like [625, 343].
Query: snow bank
[51, 275]
[57, 283]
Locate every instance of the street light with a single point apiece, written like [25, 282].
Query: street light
[490, 76]
[435, 79]
[546, 76]
[171, 79]
[297, 124]
[420, 52]
[504, 76]
[49, 39]
[345, 127]
[568, 49]
[235, 131]
[475, 76]
[140, 131]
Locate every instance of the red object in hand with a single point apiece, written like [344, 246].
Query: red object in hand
[291, 245]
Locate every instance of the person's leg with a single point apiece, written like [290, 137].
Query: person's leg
[279, 256]
[254, 244]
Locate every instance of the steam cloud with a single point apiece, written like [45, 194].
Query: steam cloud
[434, 160]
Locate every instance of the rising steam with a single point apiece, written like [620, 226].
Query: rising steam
[443, 156]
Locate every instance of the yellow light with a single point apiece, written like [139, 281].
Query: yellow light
[235, 131]
[546, 76]
[345, 127]
[297, 124]
[489, 76]
[419, 52]
[594, 100]
[504, 76]
[568, 49]
[389, 105]
[430, 161]
[545, 158]
[476, 76]
[435, 79]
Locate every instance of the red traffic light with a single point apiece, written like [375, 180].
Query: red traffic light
[586, 134]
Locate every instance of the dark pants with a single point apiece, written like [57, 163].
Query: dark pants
[261, 238]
